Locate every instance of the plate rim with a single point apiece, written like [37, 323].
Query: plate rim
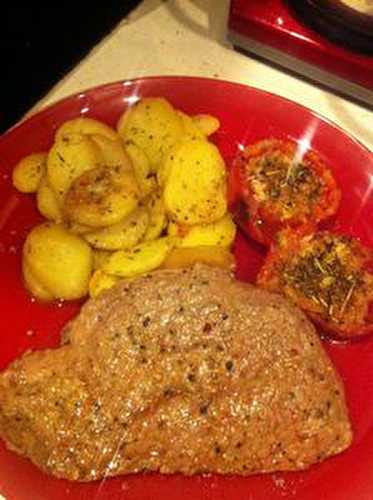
[45, 110]
[49, 109]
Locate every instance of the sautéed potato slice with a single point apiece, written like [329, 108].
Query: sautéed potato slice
[140, 259]
[69, 157]
[125, 234]
[28, 172]
[47, 202]
[124, 202]
[154, 126]
[61, 262]
[195, 186]
[85, 126]
[102, 196]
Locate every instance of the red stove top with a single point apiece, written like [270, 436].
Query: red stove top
[271, 29]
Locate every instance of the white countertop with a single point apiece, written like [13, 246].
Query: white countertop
[188, 37]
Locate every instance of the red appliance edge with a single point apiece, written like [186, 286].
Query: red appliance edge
[273, 24]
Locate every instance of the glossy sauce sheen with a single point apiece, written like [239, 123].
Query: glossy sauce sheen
[178, 371]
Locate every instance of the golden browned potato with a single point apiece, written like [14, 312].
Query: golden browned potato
[102, 196]
[101, 281]
[68, 158]
[190, 132]
[34, 286]
[195, 186]
[191, 129]
[157, 216]
[100, 257]
[141, 166]
[80, 229]
[125, 234]
[85, 126]
[60, 261]
[113, 152]
[154, 126]
[29, 171]
[47, 201]
[139, 259]
[207, 124]
[219, 233]
[116, 191]
[165, 167]
[209, 255]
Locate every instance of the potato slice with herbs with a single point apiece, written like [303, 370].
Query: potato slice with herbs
[80, 229]
[157, 216]
[100, 257]
[141, 167]
[140, 259]
[60, 261]
[207, 124]
[191, 129]
[113, 152]
[36, 289]
[29, 171]
[209, 255]
[102, 196]
[101, 281]
[47, 202]
[165, 167]
[68, 158]
[85, 126]
[195, 189]
[153, 125]
[125, 234]
[219, 233]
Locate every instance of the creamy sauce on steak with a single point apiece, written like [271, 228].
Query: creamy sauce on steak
[178, 371]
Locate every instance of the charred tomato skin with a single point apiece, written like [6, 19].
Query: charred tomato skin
[343, 309]
[302, 194]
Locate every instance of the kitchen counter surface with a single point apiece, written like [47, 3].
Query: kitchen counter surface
[188, 37]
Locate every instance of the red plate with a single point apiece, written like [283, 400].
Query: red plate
[246, 115]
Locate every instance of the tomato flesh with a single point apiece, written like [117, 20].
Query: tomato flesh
[325, 274]
[274, 186]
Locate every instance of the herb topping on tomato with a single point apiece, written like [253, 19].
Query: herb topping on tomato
[276, 186]
[327, 276]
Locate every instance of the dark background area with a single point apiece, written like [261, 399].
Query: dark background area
[39, 45]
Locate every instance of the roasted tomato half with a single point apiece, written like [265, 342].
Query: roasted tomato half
[329, 276]
[273, 185]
